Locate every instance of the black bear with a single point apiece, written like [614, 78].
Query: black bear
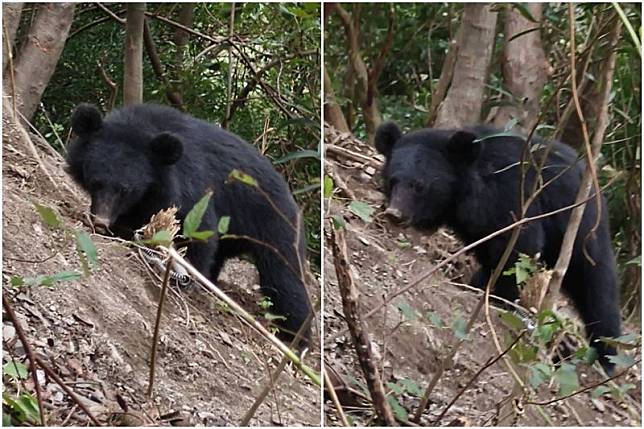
[469, 180]
[144, 158]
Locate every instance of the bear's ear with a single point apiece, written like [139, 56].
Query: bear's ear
[387, 135]
[462, 147]
[86, 119]
[166, 149]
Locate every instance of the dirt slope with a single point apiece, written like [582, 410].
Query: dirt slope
[96, 333]
[384, 258]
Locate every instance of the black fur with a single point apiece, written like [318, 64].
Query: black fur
[144, 158]
[470, 183]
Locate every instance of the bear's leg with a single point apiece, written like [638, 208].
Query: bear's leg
[505, 287]
[594, 294]
[282, 284]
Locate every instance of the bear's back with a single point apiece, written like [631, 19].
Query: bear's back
[153, 119]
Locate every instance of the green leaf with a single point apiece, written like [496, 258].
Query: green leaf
[66, 276]
[523, 10]
[305, 153]
[621, 390]
[403, 243]
[202, 235]
[85, 247]
[539, 373]
[160, 238]
[240, 176]
[29, 406]
[270, 316]
[435, 319]
[223, 224]
[411, 387]
[265, 303]
[408, 313]
[307, 188]
[622, 360]
[328, 186]
[15, 370]
[600, 390]
[459, 327]
[512, 321]
[17, 281]
[398, 409]
[523, 352]
[24, 408]
[398, 390]
[566, 376]
[362, 210]
[45, 280]
[194, 217]
[338, 222]
[627, 342]
[48, 216]
[587, 354]
[635, 261]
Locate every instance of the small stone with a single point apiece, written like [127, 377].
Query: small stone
[599, 405]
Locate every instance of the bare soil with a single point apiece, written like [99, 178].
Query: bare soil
[96, 333]
[384, 258]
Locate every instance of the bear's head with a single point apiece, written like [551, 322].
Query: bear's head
[423, 172]
[116, 163]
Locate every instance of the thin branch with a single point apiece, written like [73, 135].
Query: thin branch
[279, 345]
[157, 326]
[111, 14]
[334, 398]
[51, 374]
[488, 364]
[275, 375]
[585, 389]
[150, 48]
[30, 355]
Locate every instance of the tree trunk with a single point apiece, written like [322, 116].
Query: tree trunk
[332, 112]
[39, 54]
[11, 19]
[185, 18]
[133, 68]
[181, 39]
[366, 80]
[525, 68]
[464, 99]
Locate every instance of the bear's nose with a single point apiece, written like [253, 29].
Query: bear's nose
[101, 224]
[393, 213]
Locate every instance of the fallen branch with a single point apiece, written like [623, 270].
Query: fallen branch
[354, 156]
[30, 355]
[357, 329]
